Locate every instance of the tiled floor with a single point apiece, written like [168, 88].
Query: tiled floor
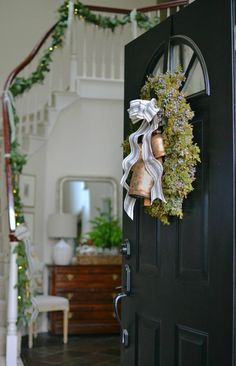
[80, 351]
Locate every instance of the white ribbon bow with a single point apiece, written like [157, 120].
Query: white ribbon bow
[148, 112]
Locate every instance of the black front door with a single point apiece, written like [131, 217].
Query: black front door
[180, 307]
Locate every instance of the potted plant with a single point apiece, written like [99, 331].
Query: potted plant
[104, 239]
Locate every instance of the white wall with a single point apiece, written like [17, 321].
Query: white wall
[85, 142]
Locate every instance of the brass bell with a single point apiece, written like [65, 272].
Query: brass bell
[141, 182]
[157, 144]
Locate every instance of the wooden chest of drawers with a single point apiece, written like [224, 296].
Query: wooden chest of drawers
[90, 289]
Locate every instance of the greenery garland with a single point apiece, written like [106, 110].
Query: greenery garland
[182, 154]
[81, 11]
[21, 84]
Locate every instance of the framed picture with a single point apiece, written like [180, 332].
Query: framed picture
[27, 190]
[29, 220]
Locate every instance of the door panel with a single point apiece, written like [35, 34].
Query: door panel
[148, 341]
[180, 309]
[192, 254]
[191, 345]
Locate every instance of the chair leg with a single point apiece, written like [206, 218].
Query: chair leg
[30, 337]
[35, 330]
[65, 326]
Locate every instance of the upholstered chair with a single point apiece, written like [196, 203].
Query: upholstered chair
[43, 303]
[46, 303]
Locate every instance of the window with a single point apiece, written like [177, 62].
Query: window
[182, 51]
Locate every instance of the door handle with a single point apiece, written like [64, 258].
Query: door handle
[124, 332]
[116, 300]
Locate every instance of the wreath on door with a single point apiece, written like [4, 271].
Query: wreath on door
[161, 159]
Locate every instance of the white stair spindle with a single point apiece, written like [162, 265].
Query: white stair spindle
[21, 113]
[35, 114]
[121, 62]
[84, 69]
[103, 57]
[159, 15]
[150, 15]
[177, 9]
[73, 72]
[27, 118]
[73, 58]
[50, 79]
[94, 63]
[112, 50]
[61, 71]
[168, 12]
[11, 343]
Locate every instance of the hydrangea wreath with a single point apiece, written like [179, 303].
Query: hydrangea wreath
[182, 155]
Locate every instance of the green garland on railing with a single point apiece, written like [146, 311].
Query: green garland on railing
[23, 286]
[18, 160]
[21, 84]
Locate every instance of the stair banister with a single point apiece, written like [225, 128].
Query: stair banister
[12, 336]
[169, 4]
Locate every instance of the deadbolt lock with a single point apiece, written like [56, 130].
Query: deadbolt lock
[125, 248]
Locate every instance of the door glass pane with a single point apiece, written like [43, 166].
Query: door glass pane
[159, 68]
[195, 80]
[176, 57]
[181, 56]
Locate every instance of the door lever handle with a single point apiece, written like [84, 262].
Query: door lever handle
[116, 300]
[124, 332]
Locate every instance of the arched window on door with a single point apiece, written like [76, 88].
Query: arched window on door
[182, 51]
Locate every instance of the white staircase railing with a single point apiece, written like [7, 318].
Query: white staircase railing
[89, 53]
[12, 333]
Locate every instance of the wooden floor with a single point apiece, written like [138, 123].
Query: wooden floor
[80, 351]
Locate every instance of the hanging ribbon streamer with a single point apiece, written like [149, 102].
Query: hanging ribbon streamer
[133, 20]
[8, 98]
[23, 233]
[150, 114]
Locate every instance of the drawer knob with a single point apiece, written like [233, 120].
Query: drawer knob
[69, 295]
[115, 277]
[70, 276]
[70, 315]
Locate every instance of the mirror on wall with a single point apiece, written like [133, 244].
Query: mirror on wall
[86, 197]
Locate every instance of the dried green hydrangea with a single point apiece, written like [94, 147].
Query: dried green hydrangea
[182, 154]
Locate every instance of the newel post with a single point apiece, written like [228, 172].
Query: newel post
[12, 336]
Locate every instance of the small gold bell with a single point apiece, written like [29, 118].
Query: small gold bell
[141, 182]
[157, 144]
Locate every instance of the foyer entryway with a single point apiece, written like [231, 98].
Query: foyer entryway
[80, 350]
